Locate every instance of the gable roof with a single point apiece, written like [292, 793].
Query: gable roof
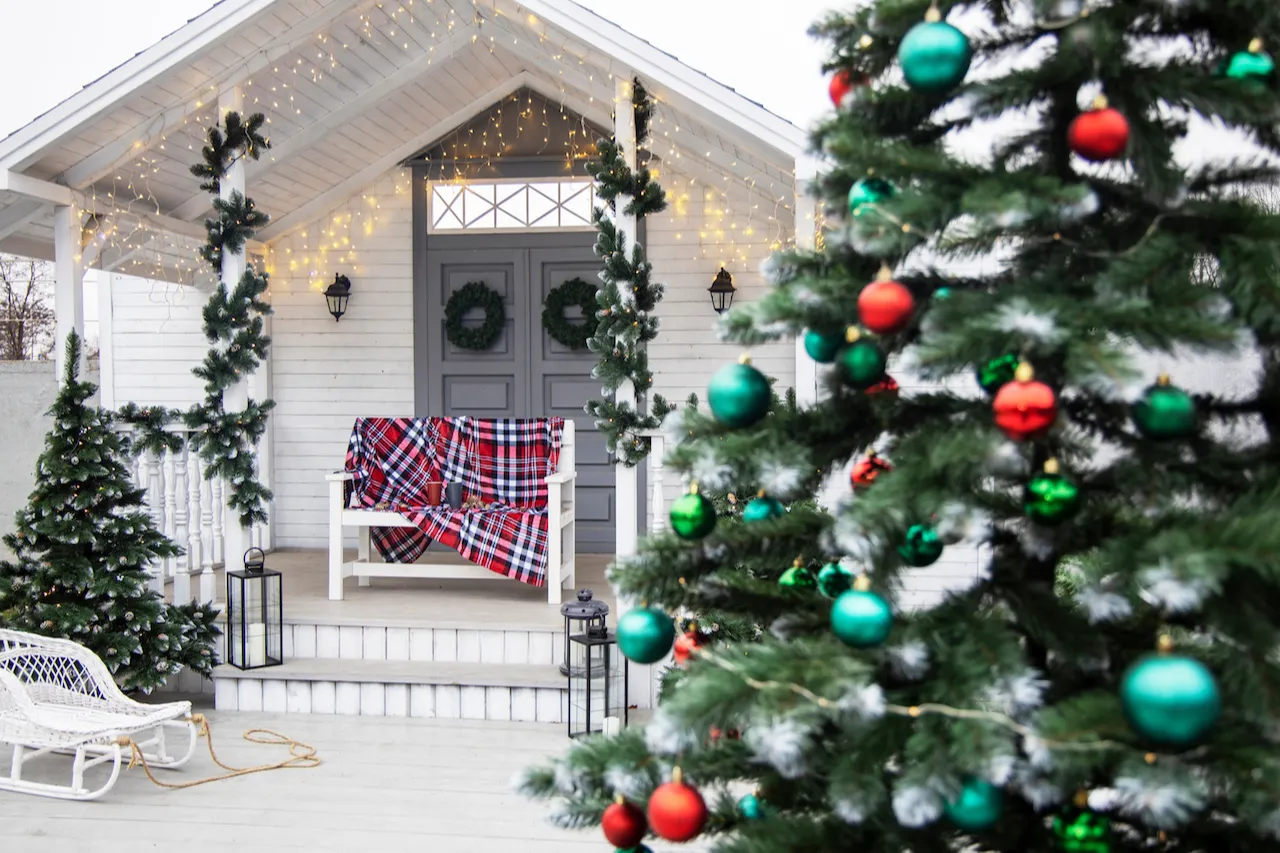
[379, 88]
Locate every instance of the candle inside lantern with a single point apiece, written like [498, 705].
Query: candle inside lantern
[257, 644]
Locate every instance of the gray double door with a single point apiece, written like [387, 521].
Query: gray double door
[525, 374]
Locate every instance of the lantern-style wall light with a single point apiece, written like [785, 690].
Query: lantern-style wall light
[337, 295]
[255, 614]
[722, 291]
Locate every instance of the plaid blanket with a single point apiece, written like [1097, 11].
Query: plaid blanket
[503, 462]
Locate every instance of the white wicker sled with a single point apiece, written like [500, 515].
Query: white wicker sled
[58, 697]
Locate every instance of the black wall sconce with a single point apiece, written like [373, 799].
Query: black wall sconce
[722, 291]
[337, 295]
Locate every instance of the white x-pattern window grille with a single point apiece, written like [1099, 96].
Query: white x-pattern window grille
[496, 206]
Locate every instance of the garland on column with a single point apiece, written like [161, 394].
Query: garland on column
[234, 324]
[627, 297]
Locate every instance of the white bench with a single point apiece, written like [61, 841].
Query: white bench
[561, 530]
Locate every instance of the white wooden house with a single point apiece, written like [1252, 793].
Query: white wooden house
[385, 118]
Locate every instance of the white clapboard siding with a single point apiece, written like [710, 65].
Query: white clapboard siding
[327, 374]
[156, 340]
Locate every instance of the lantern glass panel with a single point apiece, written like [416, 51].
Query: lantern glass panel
[255, 619]
[597, 683]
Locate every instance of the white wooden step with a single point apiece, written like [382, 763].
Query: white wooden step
[455, 690]
[439, 644]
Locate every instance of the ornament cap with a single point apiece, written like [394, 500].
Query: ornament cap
[885, 273]
[799, 561]
[745, 358]
[1163, 380]
[862, 583]
[866, 41]
[693, 487]
[1082, 799]
[851, 334]
[677, 775]
[760, 493]
[1100, 102]
[1024, 373]
[1051, 466]
[620, 800]
[1255, 45]
[933, 16]
[1165, 644]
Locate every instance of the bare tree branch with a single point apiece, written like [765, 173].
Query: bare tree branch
[26, 309]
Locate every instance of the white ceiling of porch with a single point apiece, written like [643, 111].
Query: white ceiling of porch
[349, 89]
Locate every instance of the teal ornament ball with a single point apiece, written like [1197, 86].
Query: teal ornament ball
[645, 635]
[834, 579]
[861, 619]
[693, 516]
[977, 807]
[763, 508]
[1171, 700]
[921, 547]
[942, 293]
[1254, 66]
[822, 348]
[934, 57]
[751, 808]
[869, 191]
[862, 365]
[739, 395]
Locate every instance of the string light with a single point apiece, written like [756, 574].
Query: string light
[727, 206]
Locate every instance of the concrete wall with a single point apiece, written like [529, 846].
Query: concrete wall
[27, 389]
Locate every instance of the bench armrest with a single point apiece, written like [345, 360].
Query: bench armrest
[561, 478]
[339, 476]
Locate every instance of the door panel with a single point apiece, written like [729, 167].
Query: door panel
[525, 374]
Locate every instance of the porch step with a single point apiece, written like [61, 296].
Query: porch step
[396, 688]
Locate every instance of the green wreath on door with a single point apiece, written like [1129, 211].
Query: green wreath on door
[575, 291]
[474, 294]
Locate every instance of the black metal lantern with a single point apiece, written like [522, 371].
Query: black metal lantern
[580, 617]
[722, 291]
[255, 614]
[597, 682]
[337, 295]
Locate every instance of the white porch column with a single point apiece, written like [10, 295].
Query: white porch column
[68, 289]
[624, 131]
[806, 239]
[236, 398]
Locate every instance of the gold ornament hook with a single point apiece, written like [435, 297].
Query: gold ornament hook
[693, 487]
[862, 583]
[1024, 373]
[1164, 645]
[1255, 45]
[852, 334]
[1163, 380]
[885, 273]
[933, 16]
[745, 358]
[1100, 102]
[677, 775]
[1051, 466]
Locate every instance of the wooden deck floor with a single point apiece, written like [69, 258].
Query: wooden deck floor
[407, 603]
[386, 785]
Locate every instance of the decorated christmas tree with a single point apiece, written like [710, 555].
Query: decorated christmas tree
[1014, 222]
[83, 549]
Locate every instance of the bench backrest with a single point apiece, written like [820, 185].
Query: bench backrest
[498, 460]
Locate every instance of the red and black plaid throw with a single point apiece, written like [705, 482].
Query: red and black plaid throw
[503, 462]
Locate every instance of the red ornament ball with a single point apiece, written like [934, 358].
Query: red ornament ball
[888, 386]
[1025, 408]
[624, 825]
[866, 470]
[685, 645]
[677, 811]
[843, 82]
[885, 306]
[1099, 134]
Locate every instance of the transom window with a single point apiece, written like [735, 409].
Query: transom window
[511, 205]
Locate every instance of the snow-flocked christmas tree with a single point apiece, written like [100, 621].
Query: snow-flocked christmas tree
[83, 549]
[1003, 204]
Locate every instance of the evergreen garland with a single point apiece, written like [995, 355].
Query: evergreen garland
[150, 429]
[627, 297]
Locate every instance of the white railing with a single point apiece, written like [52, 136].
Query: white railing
[657, 496]
[191, 509]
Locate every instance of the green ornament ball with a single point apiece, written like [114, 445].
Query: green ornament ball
[693, 516]
[822, 348]
[1165, 412]
[1051, 498]
[739, 395]
[751, 808]
[869, 191]
[942, 293]
[1082, 831]
[997, 372]
[797, 577]
[1170, 699]
[643, 848]
[763, 508]
[934, 57]
[861, 619]
[834, 579]
[977, 807]
[921, 547]
[1254, 65]
[862, 364]
[645, 634]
